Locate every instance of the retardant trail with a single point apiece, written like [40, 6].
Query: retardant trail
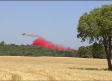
[42, 42]
[33, 35]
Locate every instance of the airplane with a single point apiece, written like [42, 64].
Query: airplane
[23, 34]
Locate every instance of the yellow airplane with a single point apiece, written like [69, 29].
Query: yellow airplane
[23, 34]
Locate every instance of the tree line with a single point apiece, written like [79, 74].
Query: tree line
[92, 51]
[30, 50]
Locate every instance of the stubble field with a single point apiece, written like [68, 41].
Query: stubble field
[53, 68]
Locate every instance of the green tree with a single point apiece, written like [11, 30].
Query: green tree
[96, 26]
[89, 51]
[84, 52]
[73, 53]
[2, 43]
[98, 51]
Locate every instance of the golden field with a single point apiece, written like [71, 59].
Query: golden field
[53, 68]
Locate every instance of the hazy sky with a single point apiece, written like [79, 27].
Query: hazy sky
[55, 21]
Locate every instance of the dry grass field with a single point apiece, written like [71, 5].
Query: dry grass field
[53, 68]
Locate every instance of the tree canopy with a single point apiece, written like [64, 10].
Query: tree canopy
[96, 24]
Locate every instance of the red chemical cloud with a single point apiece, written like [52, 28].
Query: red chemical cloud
[42, 42]
[49, 45]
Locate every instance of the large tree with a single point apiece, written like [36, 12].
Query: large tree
[96, 26]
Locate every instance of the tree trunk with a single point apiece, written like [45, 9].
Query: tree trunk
[107, 44]
[109, 55]
[109, 63]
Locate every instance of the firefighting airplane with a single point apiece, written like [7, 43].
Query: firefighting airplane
[23, 34]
